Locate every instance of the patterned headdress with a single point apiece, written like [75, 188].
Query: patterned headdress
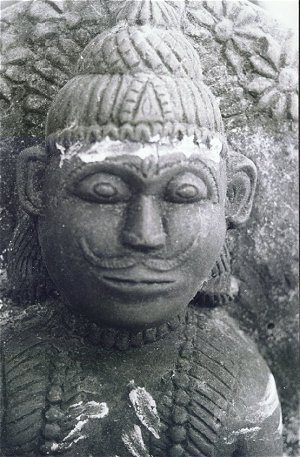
[139, 81]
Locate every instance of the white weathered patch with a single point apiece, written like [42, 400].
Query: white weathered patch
[67, 153]
[145, 408]
[61, 148]
[215, 149]
[64, 447]
[78, 427]
[75, 405]
[280, 425]
[156, 147]
[85, 412]
[232, 437]
[266, 405]
[134, 442]
[247, 430]
[94, 410]
[270, 401]
[234, 286]
[89, 410]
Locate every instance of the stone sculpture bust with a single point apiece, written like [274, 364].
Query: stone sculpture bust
[129, 203]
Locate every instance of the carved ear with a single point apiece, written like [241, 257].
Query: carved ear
[242, 177]
[30, 169]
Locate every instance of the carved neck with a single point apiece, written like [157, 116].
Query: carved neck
[113, 338]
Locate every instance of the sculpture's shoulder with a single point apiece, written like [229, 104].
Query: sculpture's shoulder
[253, 414]
[204, 382]
[223, 334]
[220, 337]
[23, 326]
[26, 364]
[254, 375]
[223, 390]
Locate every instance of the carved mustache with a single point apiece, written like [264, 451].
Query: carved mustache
[119, 262]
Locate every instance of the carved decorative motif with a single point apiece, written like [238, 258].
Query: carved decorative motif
[276, 87]
[233, 27]
[34, 67]
[244, 42]
[239, 32]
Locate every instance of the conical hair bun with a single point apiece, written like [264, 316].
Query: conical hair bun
[142, 49]
[147, 38]
[139, 80]
[156, 13]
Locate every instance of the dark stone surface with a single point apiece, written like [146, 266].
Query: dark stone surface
[242, 66]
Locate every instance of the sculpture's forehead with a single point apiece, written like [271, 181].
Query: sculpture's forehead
[159, 151]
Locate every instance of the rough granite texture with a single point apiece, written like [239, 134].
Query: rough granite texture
[250, 65]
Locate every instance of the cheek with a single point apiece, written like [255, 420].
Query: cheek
[72, 218]
[204, 227]
[186, 223]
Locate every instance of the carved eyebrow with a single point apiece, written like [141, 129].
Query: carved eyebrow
[151, 166]
[141, 169]
[129, 169]
[195, 161]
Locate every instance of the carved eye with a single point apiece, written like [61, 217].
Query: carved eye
[187, 191]
[102, 188]
[105, 190]
[186, 188]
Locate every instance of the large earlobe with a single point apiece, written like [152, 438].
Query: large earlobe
[241, 179]
[30, 169]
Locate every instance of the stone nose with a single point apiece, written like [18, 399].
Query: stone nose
[144, 229]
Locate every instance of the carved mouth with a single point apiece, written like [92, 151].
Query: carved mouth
[134, 281]
[122, 262]
[138, 283]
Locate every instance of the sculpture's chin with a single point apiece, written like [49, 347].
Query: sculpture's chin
[130, 299]
[135, 308]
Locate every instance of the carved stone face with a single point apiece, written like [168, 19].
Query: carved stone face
[129, 240]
